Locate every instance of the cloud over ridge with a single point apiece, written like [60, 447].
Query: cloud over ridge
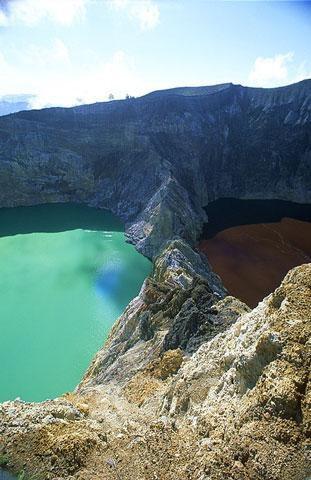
[31, 12]
[270, 69]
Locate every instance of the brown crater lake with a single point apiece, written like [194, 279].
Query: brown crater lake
[253, 258]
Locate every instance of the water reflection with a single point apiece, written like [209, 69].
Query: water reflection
[59, 295]
[109, 279]
[56, 217]
[253, 244]
[231, 212]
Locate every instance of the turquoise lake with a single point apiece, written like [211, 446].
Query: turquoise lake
[66, 274]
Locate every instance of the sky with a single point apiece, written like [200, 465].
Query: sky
[69, 52]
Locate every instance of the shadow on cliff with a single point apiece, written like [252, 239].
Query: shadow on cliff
[253, 244]
[52, 218]
[231, 212]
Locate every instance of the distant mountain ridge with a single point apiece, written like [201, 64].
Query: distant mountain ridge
[211, 89]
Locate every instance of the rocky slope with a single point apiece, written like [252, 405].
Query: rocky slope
[156, 160]
[230, 399]
[190, 384]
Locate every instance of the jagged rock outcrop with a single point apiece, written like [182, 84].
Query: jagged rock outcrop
[175, 309]
[190, 383]
[236, 408]
[158, 159]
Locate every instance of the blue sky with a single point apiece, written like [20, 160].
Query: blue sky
[67, 52]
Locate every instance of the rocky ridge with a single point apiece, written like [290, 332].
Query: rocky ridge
[229, 400]
[157, 160]
[190, 383]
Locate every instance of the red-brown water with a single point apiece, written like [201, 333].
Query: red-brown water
[253, 259]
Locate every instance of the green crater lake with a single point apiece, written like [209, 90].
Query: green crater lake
[66, 274]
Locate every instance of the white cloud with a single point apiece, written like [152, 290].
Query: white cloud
[45, 56]
[60, 50]
[3, 19]
[304, 71]
[8, 76]
[31, 12]
[117, 76]
[119, 4]
[271, 71]
[146, 12]
[66, 84]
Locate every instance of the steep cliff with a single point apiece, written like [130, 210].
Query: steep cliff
[156, 160]
[190, 384]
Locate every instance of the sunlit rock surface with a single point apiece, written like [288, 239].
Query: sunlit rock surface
[191, 383]
[218, 413]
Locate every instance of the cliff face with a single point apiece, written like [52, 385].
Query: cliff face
[156, 160]
[190, 383]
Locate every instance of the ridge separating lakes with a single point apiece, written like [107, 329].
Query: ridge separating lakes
[252, 244]
[66, 274]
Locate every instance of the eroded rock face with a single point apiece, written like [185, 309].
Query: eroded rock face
[190, 383]
[178, 307]
[212, 410]
[156, 160]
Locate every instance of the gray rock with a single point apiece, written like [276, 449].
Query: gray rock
[157, 160]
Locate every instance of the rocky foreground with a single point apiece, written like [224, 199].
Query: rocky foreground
[191, 384]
